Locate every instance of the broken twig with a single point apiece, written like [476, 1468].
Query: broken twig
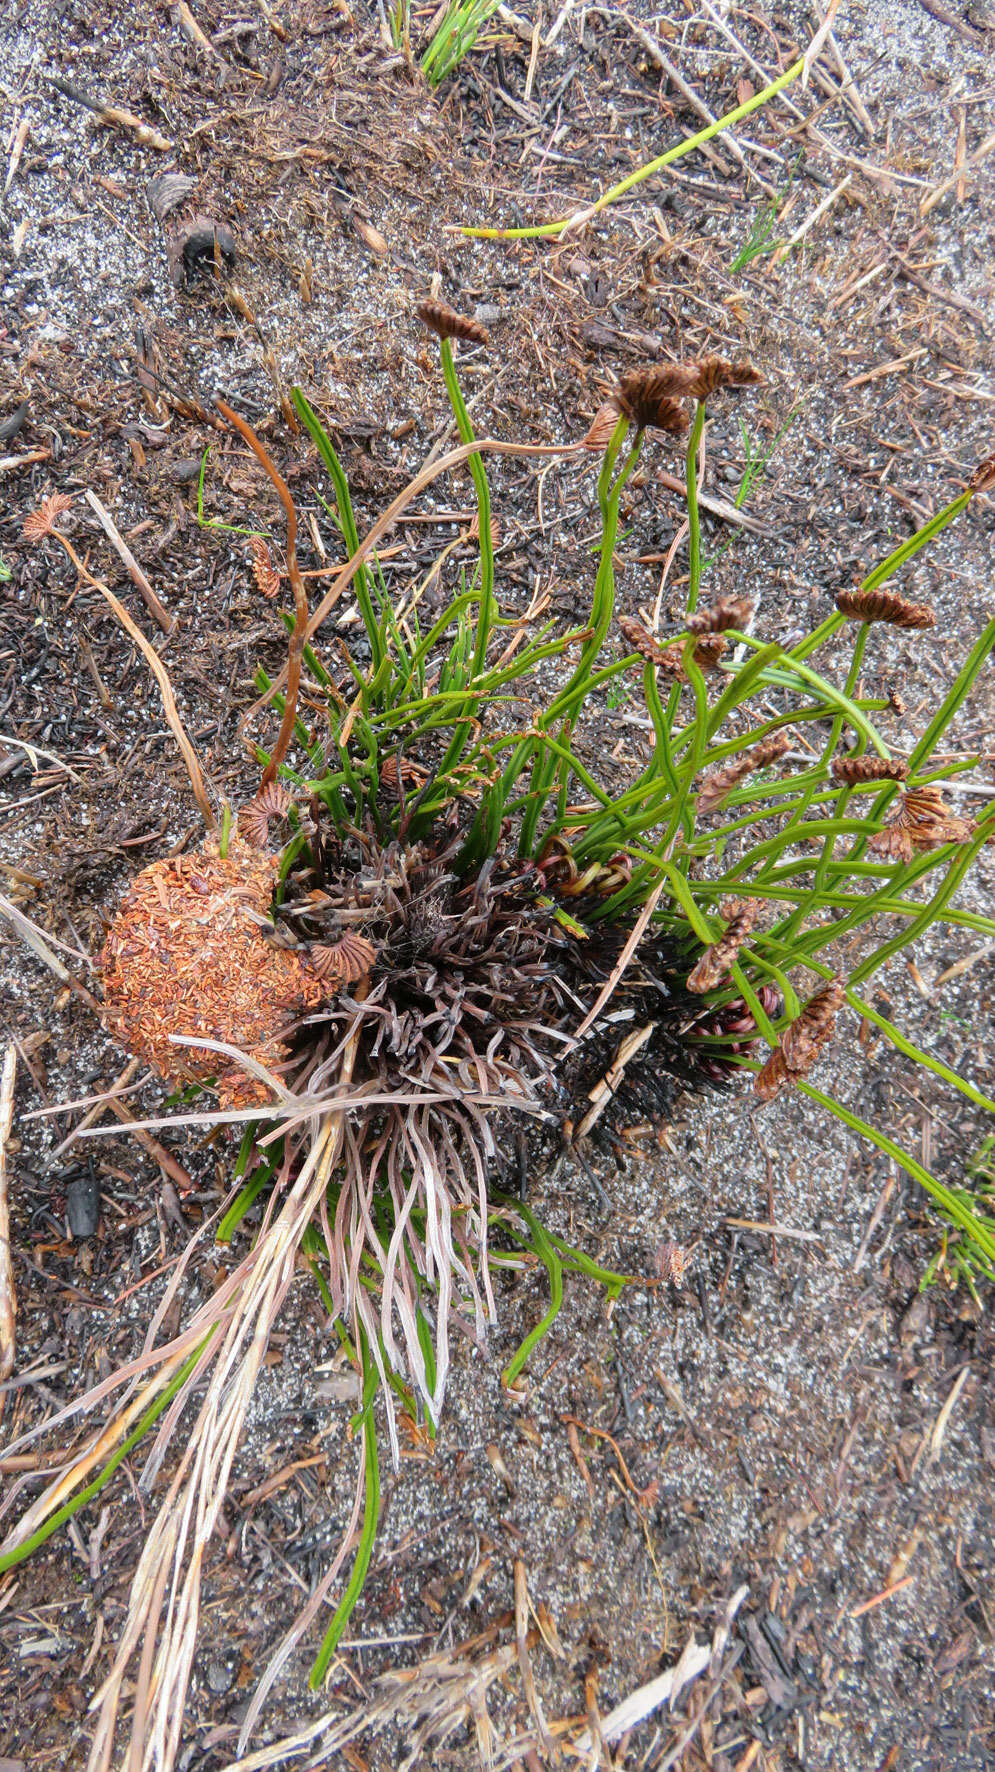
[131, 565]
[113, 116]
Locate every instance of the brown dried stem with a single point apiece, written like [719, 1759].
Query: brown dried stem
[158, 670]
[295, 651]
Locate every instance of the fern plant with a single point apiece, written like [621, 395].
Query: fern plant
[437, 919]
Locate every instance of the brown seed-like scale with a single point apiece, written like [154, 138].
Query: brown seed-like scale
[446, 323]
[188, 954]
[849, 770]
[885, 606]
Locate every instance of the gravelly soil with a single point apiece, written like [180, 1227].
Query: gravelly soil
[777, 1417]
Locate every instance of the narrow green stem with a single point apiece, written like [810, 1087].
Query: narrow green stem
[694, 517]
[485, 619]
[549, 230]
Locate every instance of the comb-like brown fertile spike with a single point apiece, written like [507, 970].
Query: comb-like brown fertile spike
[713, 373]
[983, 478]
[892, 844]
[446, 323]
[263, 571]
[769, 1081]
[672, 1261]
[721, 782]
[642, 641]
[850, 770]
[709, 650]
[671, 658]
[647, 397]
[731, 612]
[885, 606]
[802, 1042]
[42, 521]
[602, 429]
[922, 822]
[716, 960]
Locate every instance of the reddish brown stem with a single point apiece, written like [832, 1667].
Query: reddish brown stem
[295, 651]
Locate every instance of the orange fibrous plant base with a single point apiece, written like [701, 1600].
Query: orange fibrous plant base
[189, 953]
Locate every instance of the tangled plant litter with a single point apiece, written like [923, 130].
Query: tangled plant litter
[453, 927]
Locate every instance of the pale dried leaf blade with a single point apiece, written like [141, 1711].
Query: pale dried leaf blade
[665, 1689]
[8, 1297]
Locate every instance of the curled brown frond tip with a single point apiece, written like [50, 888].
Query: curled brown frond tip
[885, 606]
[446, 323]
[850, 770]
[802, 1042]
[271, 802]
[42, 521]
[345, 961]
[263, 571]
[983, 478]
[922, 822]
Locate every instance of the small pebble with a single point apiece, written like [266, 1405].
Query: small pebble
[83, 1205]
[219, 1677]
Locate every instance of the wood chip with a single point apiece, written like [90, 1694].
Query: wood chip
[942, 1421]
